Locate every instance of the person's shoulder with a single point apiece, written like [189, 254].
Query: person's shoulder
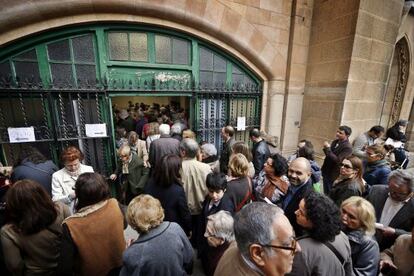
[86, 168]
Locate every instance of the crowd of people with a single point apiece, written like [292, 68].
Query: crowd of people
[244, 211]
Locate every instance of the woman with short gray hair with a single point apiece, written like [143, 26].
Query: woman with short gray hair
[219, 234]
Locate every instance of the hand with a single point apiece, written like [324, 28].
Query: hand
[387, 265]
[326, 144]
[388, 231]
[72, 196]
[112, 176]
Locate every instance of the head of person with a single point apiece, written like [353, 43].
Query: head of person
[188, 133]
[208, 151]
[401, 125]
[124, 153]
[176, 129]
[123, 114]
[376, 132]
[238, 165]
[401, 185]
[216, 184]
[120, 133]
[132, 138]
[71, 158]
[219, 229]
[227, 132]
[153, 128]
[31, 154]
[144, 213]
[243, 148]
[29, 207]
[305, 142]
[375, 153]
[351, 167]
[343, 133]
[320, 216]
[307, 152]
[299, 171]
[90, 188]
[254, 135]
[189, 148]
[164, 129]
[168, 172]
[265, 236]
[358, 213]
[276, 165]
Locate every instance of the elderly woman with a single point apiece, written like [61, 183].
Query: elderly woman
[243, 148]
[377, 168]
[162, 247]
[133, 171]
[350, 182]
[31, 237]
[64, 180]
[239, 186]
[325, 249]
[209, 156]
[93, 238]
[219, 234]
[272, 182]
[358, 219]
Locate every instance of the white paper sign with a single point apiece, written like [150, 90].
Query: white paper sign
[241, 123]
[95, 130]
[21, 134]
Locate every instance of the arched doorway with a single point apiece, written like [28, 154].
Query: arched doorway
[63, 81]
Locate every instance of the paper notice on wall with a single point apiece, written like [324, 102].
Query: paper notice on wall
[241, 123]
[21, 134]
[95, 130]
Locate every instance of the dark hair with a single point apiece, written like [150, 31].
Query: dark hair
[29, 208]
[229, 130]
[279, 164]
[30, 154]
[377, 129]
[324, 215]
[307, 143]
[216, 181]
[168, 172]
[254, 133]
[71, 153]
[243, 148]
[90, 188]
[356, 163]
[401, 123]
[346, 129]
[306, 152]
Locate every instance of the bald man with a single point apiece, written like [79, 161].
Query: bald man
[299, 174]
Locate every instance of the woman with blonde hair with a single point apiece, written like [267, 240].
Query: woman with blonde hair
[358, 220]
[243, 148]
[239, 187]
[162, 247]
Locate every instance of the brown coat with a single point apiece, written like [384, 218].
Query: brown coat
[99, 238]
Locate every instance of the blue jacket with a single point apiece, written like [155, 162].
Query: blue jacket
[377, 173]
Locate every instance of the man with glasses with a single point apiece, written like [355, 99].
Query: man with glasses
[265, 240]
[394, 207]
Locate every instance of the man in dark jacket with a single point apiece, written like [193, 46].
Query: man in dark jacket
[260, 150]
[163, 146]
[334, 154]
[394, 207]
[299, 174]
[228, 141]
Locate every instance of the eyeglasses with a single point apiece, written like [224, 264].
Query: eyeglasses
[292, 247]
[346, 166]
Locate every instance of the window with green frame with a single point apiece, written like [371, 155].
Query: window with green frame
[72, 60]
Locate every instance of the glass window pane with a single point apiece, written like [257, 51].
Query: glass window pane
[236, 69]
[31, 55]
[138, 44]
[237, 78]
[118, 46]
[206, 59]
[206, 77]
[162, 49]
[59, 50]
[219, 64]
[180, 51]
[86, 73]
[83, 48]
[5, 69]
[26, 69]
[61, 73]
[219, 78]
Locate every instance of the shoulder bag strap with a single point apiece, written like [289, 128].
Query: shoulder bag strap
[337, 254]
[246, 197]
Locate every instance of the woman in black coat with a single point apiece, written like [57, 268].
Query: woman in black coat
[166, 186]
